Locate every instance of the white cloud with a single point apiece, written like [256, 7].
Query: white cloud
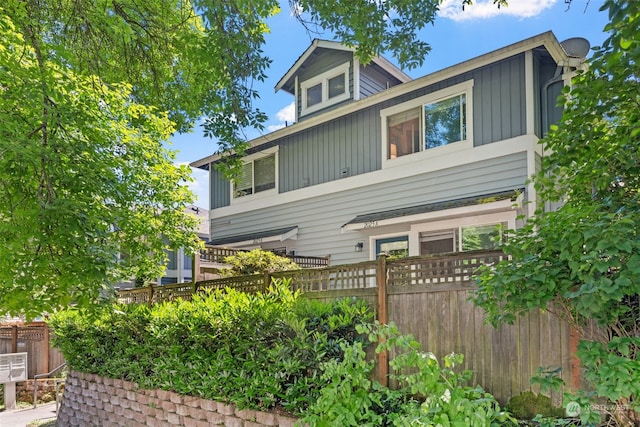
[483, 9]
[286, 115]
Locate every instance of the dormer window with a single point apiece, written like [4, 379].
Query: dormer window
[325, 89]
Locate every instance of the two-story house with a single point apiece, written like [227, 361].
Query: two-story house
[379, 162]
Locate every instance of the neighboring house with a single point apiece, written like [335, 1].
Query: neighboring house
[378, 162]
[180, 265]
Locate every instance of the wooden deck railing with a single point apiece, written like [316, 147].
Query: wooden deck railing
[215, 254]
[438, 270]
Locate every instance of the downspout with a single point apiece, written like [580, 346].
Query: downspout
[558, 77]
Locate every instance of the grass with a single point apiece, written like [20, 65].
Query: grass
[42, 423]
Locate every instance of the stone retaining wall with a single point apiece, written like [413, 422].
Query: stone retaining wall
[91, 400]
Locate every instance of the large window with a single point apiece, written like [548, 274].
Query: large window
[326, 89]
[432, 121]
[466, 238]
[257, 175]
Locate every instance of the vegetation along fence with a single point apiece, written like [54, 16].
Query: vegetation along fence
[427, 297]
[32, 338]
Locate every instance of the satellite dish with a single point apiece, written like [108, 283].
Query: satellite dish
[576, 47]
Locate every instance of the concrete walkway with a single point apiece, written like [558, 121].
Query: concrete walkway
[21, 417]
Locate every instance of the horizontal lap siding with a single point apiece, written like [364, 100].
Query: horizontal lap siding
[320, 219]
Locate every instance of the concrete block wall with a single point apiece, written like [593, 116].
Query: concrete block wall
[91, 400]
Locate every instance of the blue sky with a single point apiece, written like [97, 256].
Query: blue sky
[455, 37]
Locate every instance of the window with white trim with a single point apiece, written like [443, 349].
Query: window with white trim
[461, 239]
[257, 175]
[431, 121]
[325, 89]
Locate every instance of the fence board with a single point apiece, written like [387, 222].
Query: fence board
[427, 297]
[34, 340]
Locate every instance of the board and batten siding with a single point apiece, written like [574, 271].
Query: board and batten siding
[373, 80]
[320, 219]
[352, 145]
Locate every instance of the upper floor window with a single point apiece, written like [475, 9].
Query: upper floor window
[431, 121]
[325, 89]
[257, 175]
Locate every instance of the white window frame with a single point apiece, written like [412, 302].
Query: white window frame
[465, 88]
[508, 217]
[267, 193]
[323, 79]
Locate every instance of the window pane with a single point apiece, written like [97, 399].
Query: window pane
[394, 246]
[445, 122]
[337, 86]
[172, 262]
[244, 184]
[481, 237]
[265, 173]
[314, 95]
[188, 262]
[403, 132]
[438, 242]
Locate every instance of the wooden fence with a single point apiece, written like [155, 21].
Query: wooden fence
[32, 338]
[427, 297]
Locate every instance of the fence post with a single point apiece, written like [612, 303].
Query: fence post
[195, 265]
[46, 348]
[267, 280]
[383, 318]
[150, 295]
[14, 339]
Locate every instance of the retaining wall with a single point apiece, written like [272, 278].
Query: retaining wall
[91, 400]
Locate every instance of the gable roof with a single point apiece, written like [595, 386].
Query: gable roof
[287, 81]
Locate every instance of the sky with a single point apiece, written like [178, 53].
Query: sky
[455, 36]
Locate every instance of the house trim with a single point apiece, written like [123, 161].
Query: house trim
[323, 81]
[506, 147]
[256, 239]
[465, 87]
[452, 208]
[262, 194]
[317, 43]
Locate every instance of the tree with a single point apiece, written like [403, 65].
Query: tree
[583, 260]
[89, 91]
[256, 261]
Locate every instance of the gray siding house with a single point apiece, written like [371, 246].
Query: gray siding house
[378, 162]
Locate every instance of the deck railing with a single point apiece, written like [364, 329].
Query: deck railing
[216, 255]
[436, 270]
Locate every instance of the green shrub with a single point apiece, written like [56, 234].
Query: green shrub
[258, 351]
[256, 261]
[527, 405]
[428, 394]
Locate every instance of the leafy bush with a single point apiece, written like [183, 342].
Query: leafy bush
[256, 261]
[527, 405]
[259, 351]
[428, 395]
